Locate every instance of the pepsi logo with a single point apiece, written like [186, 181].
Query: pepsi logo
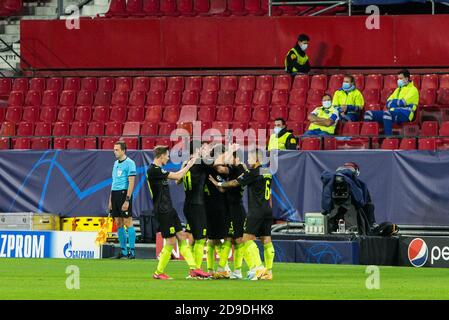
[418, 252]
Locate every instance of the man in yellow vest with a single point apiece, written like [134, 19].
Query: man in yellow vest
[296, 60]
[348, 100]
[323, 120]
[401, 105]
[282, 139]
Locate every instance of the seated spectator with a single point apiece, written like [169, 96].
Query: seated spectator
[296, 60]
[348, 100]
[323, 120]
[282, 138]
[401, 105]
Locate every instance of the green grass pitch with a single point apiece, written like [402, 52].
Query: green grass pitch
[131, 279]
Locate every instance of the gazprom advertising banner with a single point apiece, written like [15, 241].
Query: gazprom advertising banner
[48, 244]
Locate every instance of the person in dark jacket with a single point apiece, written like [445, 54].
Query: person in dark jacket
[296, 60]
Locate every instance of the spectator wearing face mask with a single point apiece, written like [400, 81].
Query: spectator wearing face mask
[296, 60]
[401, 105]
[323, 120]
[348, 100]
[282, 138]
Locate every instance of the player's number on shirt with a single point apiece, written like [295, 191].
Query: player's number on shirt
[187, 180]
[267, 190]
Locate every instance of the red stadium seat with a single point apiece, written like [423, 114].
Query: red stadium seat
[90, 143]
[416, 78]
[208, 98]
[206, 113]
[42, 129]
[95, 129]
[152, 8]
[137, 98]
[211, 83]
[72, 84]
[113, 129]
[254, 7]
[78, 129]
[37, 84]
[429, 128]
[131, 128]
[168, 8]
[359, 81]
[153, 114]
[89, 84]
[76, 144]
[68, 98]
[243, 98]
[329, 143]
[261, 114]
[158, 84]
[410, 130]
[166, 129]
[25, 129]
[262, 98]
[444, 81]
[354, 143]
[120, 98]
[444, 129]
[247, 83]
[221, 126]
[314, 97]
[66, 114]
[202, 7]
[40, 143]
[4, 143]
[184, 129]
[108, 142]
[20, 84]
[8, 129]
[100, 114]
[136, 113]
[219, 8]
[86, 98]
[175, 83]
[260, 129]
[297, 127]
[335, 83]
[171, 114]
[280, 98]
[319, 82]
[373, 107]
[369, 129]
[226, 98]
[149, 129]
[61, 129]
[237, 7]
[48, 114]
[16, 99]
[298, 97]
[443, 96]
[55, 84]
[242, 114]
[148, 143]
[427, 144]
[190, 97]
[384, 95]
[390, 82]
[185, 8]
[301, 82]
[429, 81]
[106, 84]
[311, 144]
[278, 112]
[408, 144]
[194, 83]
[103, 98]
[297, 113]
[155, 98]
[390, 144]
[374, 81]
[172, 98]
[21, 143]
[371, 96]
[225, 113]
[30, 114]
[141, 84]
[123, 84]
[5, 87]
[132, 143]
[117, 8]
[135, 8]
[264, 83]
[283, 82]
[229, 83]
[188, 113]
[14, 114]
[351, 128]
[60, 143]
[118, 114]
[427, 96]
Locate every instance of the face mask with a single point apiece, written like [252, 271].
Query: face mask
[303, 46]
[401, 83]
[327, 104]
[277, 130]
[346, 86]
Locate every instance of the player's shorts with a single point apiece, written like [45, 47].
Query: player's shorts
[196, 220]
[259, 227]
[169, 223]
[216, 221]
[236, 220]
[118, 197]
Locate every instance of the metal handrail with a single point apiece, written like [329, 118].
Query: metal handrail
[312, 3]
[10, 48]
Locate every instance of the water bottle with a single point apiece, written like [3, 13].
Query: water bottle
[341, 226]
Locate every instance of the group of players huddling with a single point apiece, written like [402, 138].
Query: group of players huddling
[214, 179]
